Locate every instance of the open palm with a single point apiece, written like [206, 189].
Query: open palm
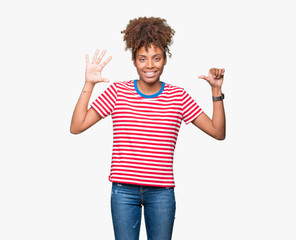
[93, 70]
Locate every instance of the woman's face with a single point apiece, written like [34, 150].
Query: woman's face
[150, 64]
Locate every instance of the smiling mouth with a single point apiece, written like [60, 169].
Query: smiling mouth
[150, 74]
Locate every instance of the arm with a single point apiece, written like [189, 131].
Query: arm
[84, 118]
[215, 127]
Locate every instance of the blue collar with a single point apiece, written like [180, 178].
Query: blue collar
[149, 96]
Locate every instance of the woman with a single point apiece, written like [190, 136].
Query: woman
[147, 115]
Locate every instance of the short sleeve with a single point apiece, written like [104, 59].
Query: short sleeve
[190, 109]
[105, 103]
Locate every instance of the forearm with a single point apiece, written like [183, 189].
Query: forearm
[218, 118]
[80, 110]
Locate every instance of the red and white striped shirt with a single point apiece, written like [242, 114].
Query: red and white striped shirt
[145, 131]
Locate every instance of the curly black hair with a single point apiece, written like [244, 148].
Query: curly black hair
[145, 31]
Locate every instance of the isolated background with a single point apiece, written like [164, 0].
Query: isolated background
[54, 185]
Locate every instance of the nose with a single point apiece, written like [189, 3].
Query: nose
[149, 63]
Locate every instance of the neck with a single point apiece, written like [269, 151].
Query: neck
[149, 88]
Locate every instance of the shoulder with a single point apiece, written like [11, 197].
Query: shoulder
[124, 84]
[172, 89]
[177, 92]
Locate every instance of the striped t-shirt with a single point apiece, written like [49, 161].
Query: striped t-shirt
[145, 131]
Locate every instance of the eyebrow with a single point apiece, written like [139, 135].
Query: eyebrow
[158, 54]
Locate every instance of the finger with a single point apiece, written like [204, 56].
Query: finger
[86, 58]
[203, 77]
[219, 73]
[106, 61]
[212, 71]
[223, 70]
[105, 80]
[95, 56]
[101, 56]
[216, 73]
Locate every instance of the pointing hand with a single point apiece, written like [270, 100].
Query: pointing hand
[215, 77]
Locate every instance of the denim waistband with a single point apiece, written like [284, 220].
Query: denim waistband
[136, 186]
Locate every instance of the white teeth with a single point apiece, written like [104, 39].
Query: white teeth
[149, 73]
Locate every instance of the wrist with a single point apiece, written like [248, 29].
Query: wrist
[216, 91]
[88, 86]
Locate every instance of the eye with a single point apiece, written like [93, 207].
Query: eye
[157, 59]
[142, 59]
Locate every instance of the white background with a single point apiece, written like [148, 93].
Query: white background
[54, 185]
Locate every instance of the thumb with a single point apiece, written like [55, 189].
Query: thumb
[105, 80]
[203, 77]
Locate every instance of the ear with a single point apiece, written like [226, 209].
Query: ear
[165, 61]
[165, 58]
[134, 57]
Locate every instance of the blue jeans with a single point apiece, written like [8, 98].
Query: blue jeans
[126, 207]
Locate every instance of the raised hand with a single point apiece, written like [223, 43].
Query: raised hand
[215, 77]
[94, 69]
